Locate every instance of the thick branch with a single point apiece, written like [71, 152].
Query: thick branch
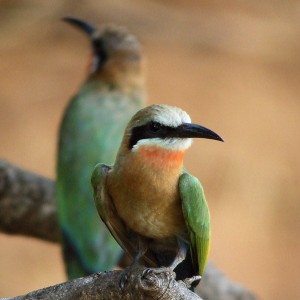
[28, 207]
[140, 285]
[27, 204]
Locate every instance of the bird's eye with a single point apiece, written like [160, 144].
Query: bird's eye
[154, 126]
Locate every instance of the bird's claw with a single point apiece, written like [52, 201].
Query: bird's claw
[156, 271]
[189, 281]
[146, 272]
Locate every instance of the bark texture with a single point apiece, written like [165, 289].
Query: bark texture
[27, 204]
[105, 286]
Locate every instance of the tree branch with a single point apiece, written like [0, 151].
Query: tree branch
[27, 204]
[28, 207]
[100, 286]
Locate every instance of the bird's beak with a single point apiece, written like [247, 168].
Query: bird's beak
[82, 25]
[188, 130]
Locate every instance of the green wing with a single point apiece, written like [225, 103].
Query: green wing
[196, 215]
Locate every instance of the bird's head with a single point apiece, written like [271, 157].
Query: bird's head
[115, 50]
[164, 129]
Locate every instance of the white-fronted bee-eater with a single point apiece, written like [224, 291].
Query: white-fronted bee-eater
[155, 209]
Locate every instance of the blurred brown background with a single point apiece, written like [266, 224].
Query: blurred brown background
[233, 65]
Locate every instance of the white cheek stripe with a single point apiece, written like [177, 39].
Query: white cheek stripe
[170, 144]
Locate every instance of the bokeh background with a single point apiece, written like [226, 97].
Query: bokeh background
[233, 65]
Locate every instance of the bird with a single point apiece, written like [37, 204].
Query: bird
[91, 130]
[153, 207]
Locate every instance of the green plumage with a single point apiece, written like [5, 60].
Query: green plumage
[196, 215]
[91, 132]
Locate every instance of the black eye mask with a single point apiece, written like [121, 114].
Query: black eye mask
[150, 131]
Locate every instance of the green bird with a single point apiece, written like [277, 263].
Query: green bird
[155, 209]
[91, 131]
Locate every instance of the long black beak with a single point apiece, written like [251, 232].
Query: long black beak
[188, 130]
[86, 27]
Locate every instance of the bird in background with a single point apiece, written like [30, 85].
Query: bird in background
[91, 131]
[153, 207]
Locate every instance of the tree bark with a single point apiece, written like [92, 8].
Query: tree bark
[28, 207]
[27, 204]
[105, 286]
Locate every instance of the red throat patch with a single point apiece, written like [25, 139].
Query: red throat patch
[162, 157]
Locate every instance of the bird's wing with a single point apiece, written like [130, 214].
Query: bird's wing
[104, 204]
[126, 238]
[197, 219]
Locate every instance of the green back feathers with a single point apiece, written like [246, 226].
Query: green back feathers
[91, 132]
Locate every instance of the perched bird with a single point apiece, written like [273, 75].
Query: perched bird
[91, 131]
[155, 209]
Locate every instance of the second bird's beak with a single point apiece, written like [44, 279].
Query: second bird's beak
[189, 130]
[82, 25]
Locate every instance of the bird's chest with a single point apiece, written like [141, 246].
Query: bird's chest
[146, 197]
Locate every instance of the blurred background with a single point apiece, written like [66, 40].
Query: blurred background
[233, 65]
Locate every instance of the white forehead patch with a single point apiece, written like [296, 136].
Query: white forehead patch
[171, 116]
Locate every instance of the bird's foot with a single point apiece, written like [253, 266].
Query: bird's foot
[157, 271]
[155, 277]
[142, 248]
[189, 281]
